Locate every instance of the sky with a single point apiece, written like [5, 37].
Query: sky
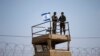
[17, 17]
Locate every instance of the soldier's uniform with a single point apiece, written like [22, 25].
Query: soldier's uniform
[62, 20]
[54, 23]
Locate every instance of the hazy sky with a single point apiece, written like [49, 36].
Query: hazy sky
[17, 17]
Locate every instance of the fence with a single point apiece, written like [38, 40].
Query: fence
[9, 49]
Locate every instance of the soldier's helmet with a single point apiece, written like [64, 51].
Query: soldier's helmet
[62, 13]
[54, 13]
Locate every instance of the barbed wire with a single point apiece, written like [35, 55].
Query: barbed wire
[8, 49]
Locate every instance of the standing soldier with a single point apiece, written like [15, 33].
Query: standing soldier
[54, 20]
[62, 20]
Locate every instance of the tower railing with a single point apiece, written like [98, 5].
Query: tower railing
[46, 28]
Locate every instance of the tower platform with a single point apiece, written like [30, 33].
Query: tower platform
[56, 38]
[45, 45]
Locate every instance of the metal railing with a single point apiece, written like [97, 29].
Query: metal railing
[46, 28]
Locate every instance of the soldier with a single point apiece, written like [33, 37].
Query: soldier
[62, 20]
[54, 20]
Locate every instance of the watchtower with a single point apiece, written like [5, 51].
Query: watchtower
[44, 44]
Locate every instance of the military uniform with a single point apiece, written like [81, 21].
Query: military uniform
[54, 23]
[62, 20]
